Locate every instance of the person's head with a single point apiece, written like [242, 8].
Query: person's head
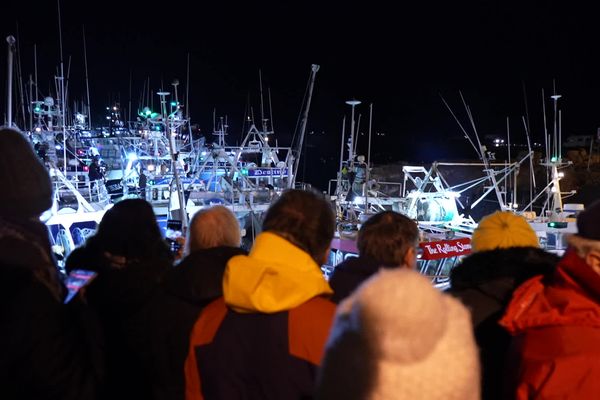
[29, 189]
[129, 229]
[213, 227]
[503, 230]
[587, 240]
[426, 337]
[390, 239]
[305, 219]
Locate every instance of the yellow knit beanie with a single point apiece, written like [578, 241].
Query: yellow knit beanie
[502, 230]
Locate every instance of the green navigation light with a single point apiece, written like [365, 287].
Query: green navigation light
[557, 225]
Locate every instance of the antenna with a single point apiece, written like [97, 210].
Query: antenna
[477, 151]
[559, 145]
[262, 112]
[129, 110]
[271, 111]
[187, 91]
[342, 152]
[20, 76]
[531, 171]
[87, 83]
[35, 71]
[356, 133]
[491, 173]
[214, 119]
[526, 106]
[468, 110]
[11, 48]
[555, 97]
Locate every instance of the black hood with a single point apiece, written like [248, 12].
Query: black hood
[358, 266]
[124, 292]
[518, 263]
[198, 278]
[349, 274]
[485, 281]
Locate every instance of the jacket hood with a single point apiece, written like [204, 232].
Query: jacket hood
[519, 263]
[199, 277]
[497, 273]
[24, 243]
[570, 299]
[360, 266]
[276, 276]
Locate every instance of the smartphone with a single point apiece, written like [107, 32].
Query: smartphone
[173, 232]
[77, 279]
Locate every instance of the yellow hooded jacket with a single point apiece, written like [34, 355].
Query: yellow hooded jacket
[276, 276]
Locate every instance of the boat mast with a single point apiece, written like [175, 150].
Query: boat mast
[340, 177]
[367, 173]
[38, 116]
[30, 101]
[11, 48]
[313, 74]
[20, 77]
[556, 160]
[62, 92]
[546, 136]
[532, 183]
[187, 95]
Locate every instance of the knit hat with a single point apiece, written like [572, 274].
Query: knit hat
[588, 222]
[503, 230]
[28, 187]
[421, 340]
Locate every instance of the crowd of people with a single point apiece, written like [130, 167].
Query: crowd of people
[223, 323]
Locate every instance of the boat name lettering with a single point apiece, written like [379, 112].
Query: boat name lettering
[267, 171]
[443, 249]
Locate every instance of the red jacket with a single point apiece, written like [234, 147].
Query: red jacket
[555, 322]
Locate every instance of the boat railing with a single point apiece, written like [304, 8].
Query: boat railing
[91, 191]
[379, 188]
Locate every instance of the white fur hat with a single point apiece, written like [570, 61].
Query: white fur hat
[421, 339]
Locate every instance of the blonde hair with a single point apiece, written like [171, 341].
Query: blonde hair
[214, 227]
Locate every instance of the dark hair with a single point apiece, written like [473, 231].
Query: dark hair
[386, 237]
[129, 229]
[304, 218]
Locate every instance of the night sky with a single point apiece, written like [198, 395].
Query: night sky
[397, 57]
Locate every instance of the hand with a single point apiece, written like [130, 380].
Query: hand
[181, 242]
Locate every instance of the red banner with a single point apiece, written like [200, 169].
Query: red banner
[445, 248]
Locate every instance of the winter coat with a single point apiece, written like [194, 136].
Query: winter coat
[195, 282]
[485, 282]
[198, 278]
[264, 338]
[48, 349]
[555, 321]
[349, 274]
[139, 322]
